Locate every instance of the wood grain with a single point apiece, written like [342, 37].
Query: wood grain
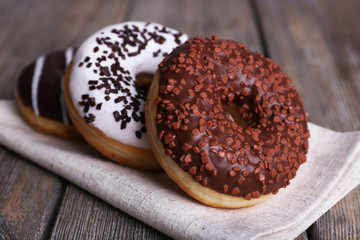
[29, 198]
[299, 41]
[29, 29]
[231, 19]
[317, 43]
[83, 216]
[341, 221]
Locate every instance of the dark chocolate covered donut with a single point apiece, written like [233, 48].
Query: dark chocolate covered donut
[197, 83]
[39, 94]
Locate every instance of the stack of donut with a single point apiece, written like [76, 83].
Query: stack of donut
[226, 124]
[105, 88]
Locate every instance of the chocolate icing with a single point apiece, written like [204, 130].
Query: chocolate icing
[24, 84]
[49, 88]
[201, 76]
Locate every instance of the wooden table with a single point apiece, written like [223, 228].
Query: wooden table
[316, 41]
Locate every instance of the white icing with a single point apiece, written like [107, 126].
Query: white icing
[39, 64]
[65, 118]
[143, 62]
[68, 55]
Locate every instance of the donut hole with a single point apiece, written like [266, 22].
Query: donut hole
[233, 111]
[143, 80]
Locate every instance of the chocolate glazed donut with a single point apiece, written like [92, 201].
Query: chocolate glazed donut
[39, 94]
[218, 160]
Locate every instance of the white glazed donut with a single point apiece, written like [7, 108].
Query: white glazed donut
[104, 103]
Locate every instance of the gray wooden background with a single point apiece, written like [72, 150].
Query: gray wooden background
[316, 41]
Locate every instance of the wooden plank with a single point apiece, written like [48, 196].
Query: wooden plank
[229, 19]
[314, 54]
[83, 216]
[29, 198]
[317, 43]
[341, 221]
[31, 28]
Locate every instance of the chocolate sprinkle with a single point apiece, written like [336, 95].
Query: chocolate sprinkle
[114, 79]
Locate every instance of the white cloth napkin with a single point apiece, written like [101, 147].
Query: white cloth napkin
[331, 171]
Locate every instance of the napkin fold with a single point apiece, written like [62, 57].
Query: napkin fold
[331, 171]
